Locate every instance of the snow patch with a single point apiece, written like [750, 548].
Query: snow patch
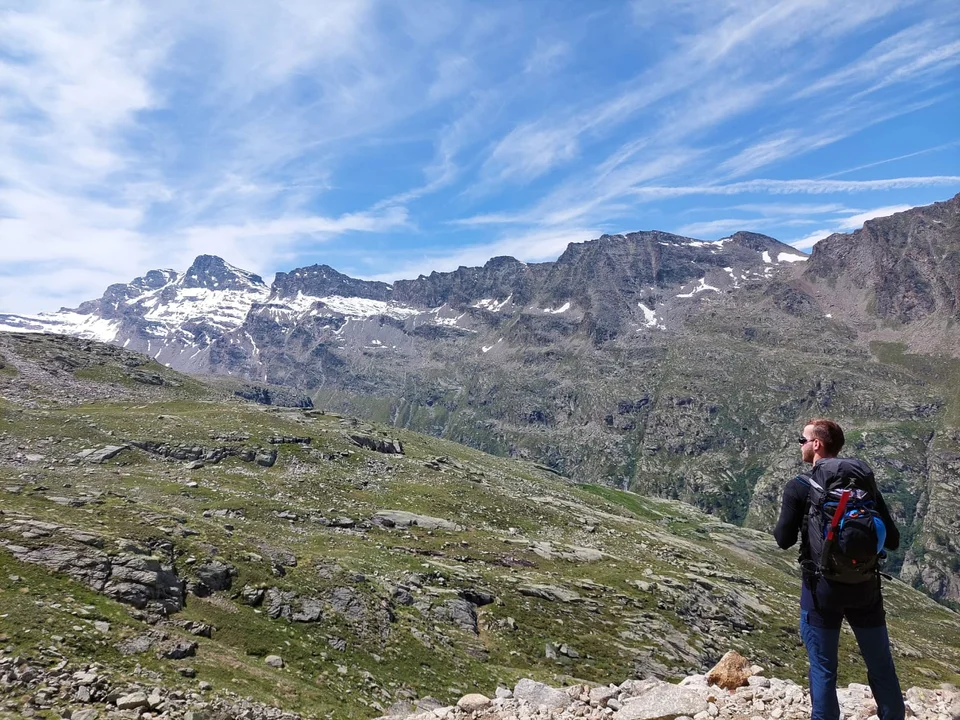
[790, 257]
[65, 322]
[563, 308]
[493, 305]
[701, 287]
[650, 317]
[349, 306]
[766, 257]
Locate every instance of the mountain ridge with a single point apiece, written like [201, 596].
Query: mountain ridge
[671, 366]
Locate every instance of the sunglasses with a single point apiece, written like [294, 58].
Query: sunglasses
[803, 441]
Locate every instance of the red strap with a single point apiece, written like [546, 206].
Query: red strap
[838, 515]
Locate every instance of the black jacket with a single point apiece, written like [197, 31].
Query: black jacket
[793, 513]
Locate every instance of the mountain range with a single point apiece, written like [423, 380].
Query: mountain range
[667, 365]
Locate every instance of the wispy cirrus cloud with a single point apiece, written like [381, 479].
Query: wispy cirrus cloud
[846, 224]
[134, 134]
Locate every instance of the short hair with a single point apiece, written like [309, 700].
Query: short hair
[828, 433]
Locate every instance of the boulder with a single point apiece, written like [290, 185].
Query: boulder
[460, 612]
[731, 672]
[473, 702]
[663, 702]
[132, 701]
[177, 650]
[536, 694]
[214, 575]
[274, 661]
[266, 458]
[310, 611]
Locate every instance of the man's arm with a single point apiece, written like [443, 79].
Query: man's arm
[792, 511]
[892, 541]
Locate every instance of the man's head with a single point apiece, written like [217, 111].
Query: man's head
[822, 438]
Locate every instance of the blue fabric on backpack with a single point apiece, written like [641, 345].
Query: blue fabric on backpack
[881, 533]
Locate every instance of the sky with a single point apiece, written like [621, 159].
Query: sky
[397, 137]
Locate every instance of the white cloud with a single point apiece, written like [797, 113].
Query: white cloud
[855, 222]
[807, 242]
[788, 187]
[847, 224]
[529, 151]
[715, 229]
[546, 56]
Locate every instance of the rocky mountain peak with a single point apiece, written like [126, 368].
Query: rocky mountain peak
[324, 281]
[502, 261]
[214, 273]
[759, 242]
[904, 267]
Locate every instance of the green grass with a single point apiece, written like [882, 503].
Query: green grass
[519, 523]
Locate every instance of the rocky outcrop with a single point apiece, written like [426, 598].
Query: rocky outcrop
[377, 444]
[142, 581]
[653, 699]
[404, 519]
[265, 457]
[88, 691]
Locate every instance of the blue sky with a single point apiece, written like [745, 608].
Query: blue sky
[389, 139]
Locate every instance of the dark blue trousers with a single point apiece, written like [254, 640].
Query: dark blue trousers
[820, 630]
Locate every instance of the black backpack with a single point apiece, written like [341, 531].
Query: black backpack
[844, 531]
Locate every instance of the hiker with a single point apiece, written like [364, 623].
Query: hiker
[843, 525]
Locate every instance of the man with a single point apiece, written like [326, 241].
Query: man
[825, 603]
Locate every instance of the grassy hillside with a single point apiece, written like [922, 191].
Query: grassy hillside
[511, 571]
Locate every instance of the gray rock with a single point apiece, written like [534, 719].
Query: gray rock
[549, 592]
[401, 518]
[599, 696]
[177, 650]
[86, 714]
[474, 702]
[252, 595]
[347, 603]
[460, 612]
[664, 702]
[132, 701]
[89, 566]
[103, 454]
[279, 603]
[537, 694]
[216, 575]
[310, 611]
[266, 458]
[382, 445]
[477, 596]
[274, 661]
[135, 645]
